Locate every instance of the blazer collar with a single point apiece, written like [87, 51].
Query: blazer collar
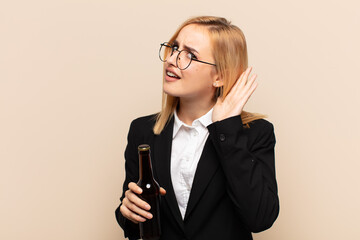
[162, 154]
[206, 169]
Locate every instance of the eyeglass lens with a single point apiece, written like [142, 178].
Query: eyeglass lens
[183, 58]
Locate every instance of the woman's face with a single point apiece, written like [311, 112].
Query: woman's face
[196, 81]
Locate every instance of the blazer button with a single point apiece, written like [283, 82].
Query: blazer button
[222, 137]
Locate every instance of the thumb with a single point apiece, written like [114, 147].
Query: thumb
[162, 191]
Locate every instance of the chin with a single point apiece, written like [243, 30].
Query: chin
[172, 91]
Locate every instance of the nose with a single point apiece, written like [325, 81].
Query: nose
[171, 59]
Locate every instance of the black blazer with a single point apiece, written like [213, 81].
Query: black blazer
[234, 191]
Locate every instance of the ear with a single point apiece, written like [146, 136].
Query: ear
[218, 82]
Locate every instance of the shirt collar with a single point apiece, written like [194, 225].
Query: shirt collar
[205, 120]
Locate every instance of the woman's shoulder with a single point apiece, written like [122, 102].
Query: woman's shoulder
[148, 119]
[260, 131]
[260, 125]
[143, 124]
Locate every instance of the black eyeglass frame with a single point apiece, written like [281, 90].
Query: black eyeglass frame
[166, 44]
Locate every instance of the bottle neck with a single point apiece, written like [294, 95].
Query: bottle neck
[145, 168]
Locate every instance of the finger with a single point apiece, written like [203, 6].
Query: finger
[136, 200]
[248, 71]
[250, 92]
[252, 89]
[241, 81]
[162, 191]
[242, 91]
[131, 215]
[250, 82]
[245, 76]
[135, 188]
[137, 210]
[242, 74]
[243, 96]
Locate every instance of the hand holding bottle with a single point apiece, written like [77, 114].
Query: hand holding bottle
[133, 207]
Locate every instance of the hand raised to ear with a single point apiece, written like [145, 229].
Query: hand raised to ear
[233, 104]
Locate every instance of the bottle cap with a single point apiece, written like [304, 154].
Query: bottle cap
[143, 147]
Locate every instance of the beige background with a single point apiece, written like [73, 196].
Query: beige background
[73, 74]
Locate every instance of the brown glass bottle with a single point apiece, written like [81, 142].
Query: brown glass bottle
[150, 229]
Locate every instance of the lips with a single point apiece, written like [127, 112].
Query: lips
[171, 74]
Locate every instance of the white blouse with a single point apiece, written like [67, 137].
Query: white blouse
[187, 146]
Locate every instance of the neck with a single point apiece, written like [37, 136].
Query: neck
[190, 110]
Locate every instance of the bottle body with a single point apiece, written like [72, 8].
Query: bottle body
[150, 229]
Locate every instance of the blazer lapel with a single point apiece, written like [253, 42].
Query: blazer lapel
[207, 166]
[162, 154]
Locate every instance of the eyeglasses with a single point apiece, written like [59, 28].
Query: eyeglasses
[183, 59]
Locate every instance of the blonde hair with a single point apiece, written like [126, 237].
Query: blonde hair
[230, 54]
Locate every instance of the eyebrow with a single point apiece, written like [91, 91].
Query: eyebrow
[186, 47]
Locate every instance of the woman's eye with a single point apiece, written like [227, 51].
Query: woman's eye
[175, 47]
[191, 55]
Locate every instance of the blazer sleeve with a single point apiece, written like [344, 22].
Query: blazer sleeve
[247, 158]
[131, 230]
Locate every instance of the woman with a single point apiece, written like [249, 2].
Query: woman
[215, 160]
